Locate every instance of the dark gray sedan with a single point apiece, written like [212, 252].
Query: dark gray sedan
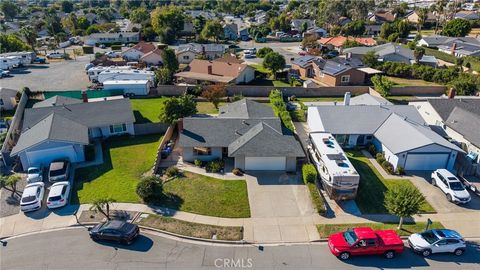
[116, 231]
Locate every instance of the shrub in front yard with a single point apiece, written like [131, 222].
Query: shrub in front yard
[150, 188]
[380, 158]
[309, 173]
[388, 167]
[172, 171]
[372, 150]
[400, 170]
[198, 162]
[214, 166]
[237, 172]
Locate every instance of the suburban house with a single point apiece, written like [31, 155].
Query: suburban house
[467, 15]
[297, 24]
[382, 16]
[138, 51]
[372, 29]
[398, 131]
[186, 53]
[247, 131]
[459, 48]
[217, 72]
[109, 38]
[391, 52]
[437, 40]
[332, 72]
[153, 58]
[455, 118]
[338, 42]
[8, 99]
[61, 127]
[233, 32]
[317, 32]
[413, 17]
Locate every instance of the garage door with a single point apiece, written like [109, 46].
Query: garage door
[44, 157]
[265, 163]
[426, 162]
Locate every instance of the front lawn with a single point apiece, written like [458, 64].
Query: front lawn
[205, 107]
[146, 110]
[125, 160]
[410, 82]
[370, 196]
[326, 230]
[208, 196]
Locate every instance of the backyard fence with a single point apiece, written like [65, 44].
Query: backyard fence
[166, 137]
[14, 130]
[150, 128]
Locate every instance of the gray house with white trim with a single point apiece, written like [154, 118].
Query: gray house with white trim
[244, 130]
[61, 127]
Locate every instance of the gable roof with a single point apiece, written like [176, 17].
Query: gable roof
[154, 52]
[367, 99]
[56, 101]
[444, 107]
[90, 114]
[144, 47]
[382, 50]
[339, 41]
[331, 67]
[245, 109]
[465, 123]
[263, 140]
[200, 48]
[53, 127]
[220, 71]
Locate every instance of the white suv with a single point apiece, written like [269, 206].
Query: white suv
[437, 241]
[32, 197]
[58, 195]
[451, 186]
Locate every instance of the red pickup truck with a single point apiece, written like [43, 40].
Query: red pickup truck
[365, 241]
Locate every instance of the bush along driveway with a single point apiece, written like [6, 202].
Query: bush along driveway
[370, 196]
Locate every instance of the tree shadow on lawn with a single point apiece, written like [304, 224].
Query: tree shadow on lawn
[139, 118]
[168, 200]
[88, 174]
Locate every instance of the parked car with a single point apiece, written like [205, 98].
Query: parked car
[88, 66]
[59, 170]
[34, 174]
[250, 55]
[365, 241]
[451, 186]
[113, 54]
[58, 195]
[32, 197]
[102, 46]
[56, 55]
[115, 230]
[437, 241]
[4, 73]
[39, 60]
[3, 126]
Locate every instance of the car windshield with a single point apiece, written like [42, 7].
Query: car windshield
[54, 198]
[429, 236]
[350, 237]
[456, 186]
[33, 171]
[28, 199]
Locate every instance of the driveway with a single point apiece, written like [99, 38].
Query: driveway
[438, 199]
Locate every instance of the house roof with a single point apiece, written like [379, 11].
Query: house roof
[384, 16]
[367, 99]
[228, 58]
[56, 100]
[204, 77]
[444, 107]
[465, 123]
[331, 67]
[245, 109]
[263, 140]
[382, 50]
[113, 35]
[436, 40]
[232, 26]
[304, 61]
[144, 47]
[467, 15]
[148, 54]
[52, 127]
[200, 48]
[465, 48]
[91, 114]
[220, 71]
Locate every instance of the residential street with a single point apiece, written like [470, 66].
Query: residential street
[73, 249]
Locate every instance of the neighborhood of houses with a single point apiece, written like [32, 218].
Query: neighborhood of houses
[311, 116]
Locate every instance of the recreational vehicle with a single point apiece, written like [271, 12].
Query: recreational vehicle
[6, 63]
[93, 72]
[126, 74]
[339, 178]
[129, 87]
[25, 58]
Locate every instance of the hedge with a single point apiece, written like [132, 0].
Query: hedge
[309, 173]
[280, 109]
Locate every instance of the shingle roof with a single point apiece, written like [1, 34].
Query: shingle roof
[382, 50]
[465, 123]
[53, 127]
[444, 107]
[199, 69]
[91, 114]
[264, 141]
[56, 100]
[367, 99]
[144, 47]
[245, 109]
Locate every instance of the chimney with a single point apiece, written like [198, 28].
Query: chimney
[451, 93]
[346, 99]
[84, 96]
[454, 47]
[210, 69]
[349, 55]
[180, 125]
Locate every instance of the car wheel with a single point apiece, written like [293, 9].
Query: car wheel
[390, 254]
[458, 251]
[449, 197]
[434, 183]
[426, 253]
[344, 256]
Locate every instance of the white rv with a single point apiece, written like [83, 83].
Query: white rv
[25, 58]
[93, 72]
[129, 87]
[339, 177]
[6, 63]
[126, 74]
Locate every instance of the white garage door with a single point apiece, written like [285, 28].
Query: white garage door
[44, 157]
[426, 162]
[265, 163]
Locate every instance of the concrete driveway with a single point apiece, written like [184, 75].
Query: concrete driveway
[438, 199]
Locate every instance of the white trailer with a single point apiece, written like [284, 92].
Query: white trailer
[94, 71]
[6, 63]
[129, 74]
[25, 58]
[129, 87]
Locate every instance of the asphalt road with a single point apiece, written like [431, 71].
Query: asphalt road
[72, 249]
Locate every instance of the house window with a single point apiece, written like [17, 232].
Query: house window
[345, 79]
[120, 128]
[186, 57]
[202, 151]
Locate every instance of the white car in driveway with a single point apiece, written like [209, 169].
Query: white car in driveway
[451, 186]
[437, 241]
[32, 197]
[34, 174]
[58, 195]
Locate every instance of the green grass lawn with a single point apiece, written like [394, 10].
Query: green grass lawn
[326, 230]
[410, 82]
[440, 55]
[260, 68]
[207, 196]
[370, 196]
[125, 160]
[207, 107]
[146, 110]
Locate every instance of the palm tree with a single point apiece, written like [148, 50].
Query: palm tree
[99, 204]
[439, 10]
[422, 18]
[30, 35]
[12, 181]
